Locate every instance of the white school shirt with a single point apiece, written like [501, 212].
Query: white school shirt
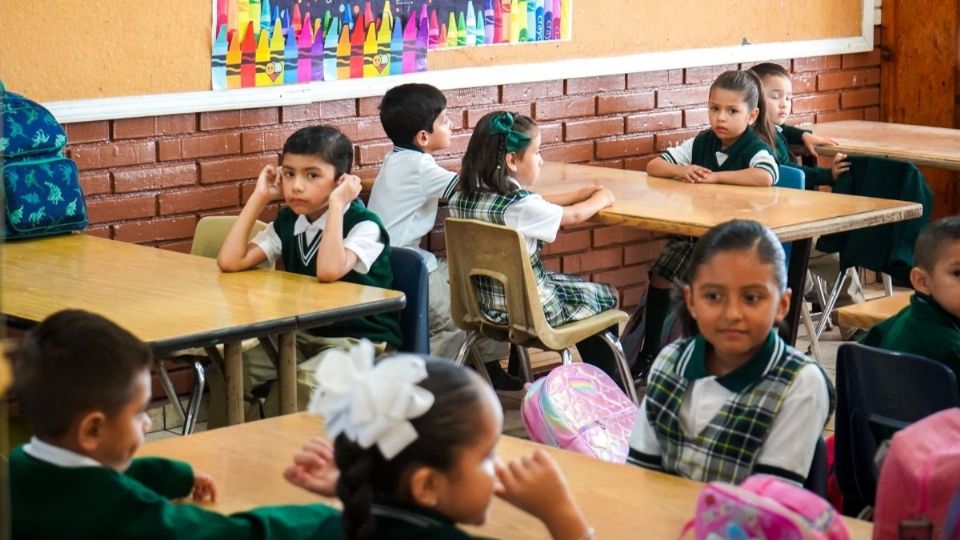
[405, 195]
[58, 456]
[801, 417]
[683, 155]
[363, 239]
[535, 217]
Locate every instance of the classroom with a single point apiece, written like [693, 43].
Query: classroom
[604, 269]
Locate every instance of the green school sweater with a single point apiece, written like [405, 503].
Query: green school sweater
[923, 328]
[707, 144]
[812, 176]
[302, 259]
[53, 502]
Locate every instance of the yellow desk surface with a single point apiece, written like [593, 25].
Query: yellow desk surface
[868, 314]
[922, 145]
[620, 501]
[671, 206]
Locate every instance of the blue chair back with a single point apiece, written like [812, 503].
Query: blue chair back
[878, 393]
[817, 477]
[791, 178]
[410, 277]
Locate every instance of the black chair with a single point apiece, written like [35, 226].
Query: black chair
[878, 393]
[817, 477]
[410, 277]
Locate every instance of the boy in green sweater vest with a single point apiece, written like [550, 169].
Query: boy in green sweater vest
[83, 384]
[323, 231]
[930, 325]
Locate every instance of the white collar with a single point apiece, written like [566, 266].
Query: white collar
[303, 223]
[515, 182]
[58, 456]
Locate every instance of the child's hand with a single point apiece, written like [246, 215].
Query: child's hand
[811, 142]
[204, 487]
[314, 468]
[603, 196]
[348, 187]
[533, 484]
[268, 184]
[587, 192]
[694, 174]
[840, 165]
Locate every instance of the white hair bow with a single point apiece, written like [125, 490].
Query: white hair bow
[371, 404]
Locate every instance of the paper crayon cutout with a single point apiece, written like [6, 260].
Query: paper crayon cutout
[253, 14]
[221, 16]
[452, 32]
[531, 24]
[396, 46]
[548, 25]
[491, 30]
[471, 25]
[316, 55]
[343, 53]
[232, 13]
[219, 59]
[277, 44]
[297, 19]
[248, 63]
[243, 17]
[265, 20]
[539, 24]
[371, 60]
[233, 62]
[330, 42]
[266, 71]
[356, 49]
[442, 42]
[461, 31]
[505, 16]
[305, 54]
[410, 43]
[384, 35]
[565, 26]
[290, 65]
[387, 15]
[420, 49]
[368, 12]
[516, 20]
[433, 36]
[480, 31]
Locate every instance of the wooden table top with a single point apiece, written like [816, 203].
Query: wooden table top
[922, 145]
[618, 500]
[868, 314]
[171, 300]
[671, 206]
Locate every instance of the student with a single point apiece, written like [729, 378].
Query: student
[406, 194]
[422, 456]
[323, 232]
[500, 166]
[737, 149]
[930, 325]
[83, 384]
[734, 399]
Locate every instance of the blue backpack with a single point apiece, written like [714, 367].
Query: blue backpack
[41, 189]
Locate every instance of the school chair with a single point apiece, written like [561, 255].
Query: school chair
[887, 249]
[817, 476]
[207, 239]
[476, 248]
[878, 393]
[410, 277]
[793, 178]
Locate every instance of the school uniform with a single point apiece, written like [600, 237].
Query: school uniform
[56, 493]
[706, 150]
[812, 176]
[764, 417]
[923, 328]
[397, 521]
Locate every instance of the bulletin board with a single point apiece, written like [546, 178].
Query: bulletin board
[72, 53]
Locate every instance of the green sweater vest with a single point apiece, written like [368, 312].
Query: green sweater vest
[48, 501]
[707, 144]
[377, 328]
[813, 176]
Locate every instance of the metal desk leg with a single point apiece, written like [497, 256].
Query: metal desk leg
[287, 373]
[796, 277]
[233, 376]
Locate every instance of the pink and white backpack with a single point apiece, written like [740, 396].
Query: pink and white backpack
[579, 408]
[764, 507]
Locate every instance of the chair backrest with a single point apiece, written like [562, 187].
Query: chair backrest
[476, 248]
[410, 276]
[817, 477]
[790, 178]
[212, 230]
[878, 393]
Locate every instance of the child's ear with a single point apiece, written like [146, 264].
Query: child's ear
[753, 115]
[920, 280]
[688, 299]
[420, 139]
[784, 306]
[511, 159]
[426, 484]
[90, 430]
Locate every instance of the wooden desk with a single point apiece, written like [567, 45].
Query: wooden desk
[868, 314]
[175, 301]
[922, 145]
[675, 207]
[620, 501]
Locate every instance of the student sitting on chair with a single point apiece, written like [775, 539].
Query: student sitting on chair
[84, 386]
[321, 232]
[735, 399]
[930, 325]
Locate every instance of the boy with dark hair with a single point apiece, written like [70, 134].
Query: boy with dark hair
[930, 325]
[406, 195]
[84, 385]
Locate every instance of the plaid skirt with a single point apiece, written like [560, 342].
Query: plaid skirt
[674, 260]
[564, 298]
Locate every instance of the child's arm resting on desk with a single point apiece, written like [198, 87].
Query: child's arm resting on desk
[582, 205]
[764, 171]
[237, 253]
[172, 479]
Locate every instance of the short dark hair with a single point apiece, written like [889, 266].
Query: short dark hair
[769, 69]
[933, 238]
[76, 361]
[324, 142]
[408, 109]
[451, 424]
[484, 165]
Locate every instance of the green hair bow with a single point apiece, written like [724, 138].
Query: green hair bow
[514, 140]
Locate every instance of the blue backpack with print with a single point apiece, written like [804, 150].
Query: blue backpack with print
[41, 189]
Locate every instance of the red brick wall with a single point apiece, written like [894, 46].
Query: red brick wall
[149, 180]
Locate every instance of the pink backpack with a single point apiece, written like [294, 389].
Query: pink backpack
[764, 507]
[919, 477]
[578, 407]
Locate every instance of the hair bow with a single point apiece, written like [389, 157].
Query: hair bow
[371, 404]
[502, 124]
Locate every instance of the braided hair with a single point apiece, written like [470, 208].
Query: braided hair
[452, 423]
[484, 166]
